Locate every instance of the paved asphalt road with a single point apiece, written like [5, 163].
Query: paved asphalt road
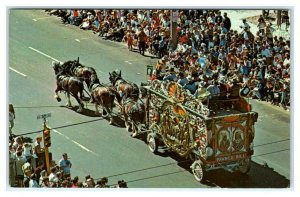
[100, 149]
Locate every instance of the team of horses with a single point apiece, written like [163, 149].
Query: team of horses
[71, 78]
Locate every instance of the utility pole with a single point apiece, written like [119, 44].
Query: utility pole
[46, 139]
[173, 17]
[279, 18]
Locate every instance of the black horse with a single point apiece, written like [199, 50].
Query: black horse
[75, 69]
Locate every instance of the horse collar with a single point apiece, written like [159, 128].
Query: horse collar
[116, 80]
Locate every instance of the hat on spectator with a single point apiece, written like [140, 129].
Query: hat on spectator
[89, 13]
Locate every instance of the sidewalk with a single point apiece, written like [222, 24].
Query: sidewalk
[236, 17]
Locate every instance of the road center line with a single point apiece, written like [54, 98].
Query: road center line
[17, 72]
[81, 146]
[44, 54]
[36, 19]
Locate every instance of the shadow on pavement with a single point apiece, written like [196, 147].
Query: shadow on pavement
[259, 176]
[85, 112]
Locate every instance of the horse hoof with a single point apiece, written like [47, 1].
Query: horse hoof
[58, 99]
[133, 135]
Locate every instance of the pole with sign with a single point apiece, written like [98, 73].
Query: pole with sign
[46, 139]
[174, 17]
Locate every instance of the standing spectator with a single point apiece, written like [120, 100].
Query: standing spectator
[219, 18]
[12, 117]
[286, 19]
[65, 165]
[27, 153]
[283, 95]
[161, 48]
[18, 143]
[245, 26]
[261, 25]
[38, 150]
[226, 21]
[129, 39]
[20, 161]
[12, 169]
[141, 40]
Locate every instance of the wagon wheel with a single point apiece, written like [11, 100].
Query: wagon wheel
[244, 165]
[152, 142]
[198, 170]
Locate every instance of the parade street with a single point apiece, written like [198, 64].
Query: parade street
[99, 149]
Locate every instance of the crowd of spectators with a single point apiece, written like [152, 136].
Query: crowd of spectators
[27, 168]
[208, 51]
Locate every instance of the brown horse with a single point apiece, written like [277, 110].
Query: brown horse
[75, 69]
[71, 86]
[126, 90]
[104, 96]
[134, 111]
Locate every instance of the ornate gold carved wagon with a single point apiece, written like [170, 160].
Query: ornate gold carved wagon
[214, 133]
